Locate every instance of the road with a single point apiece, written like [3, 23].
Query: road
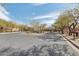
[21, 43]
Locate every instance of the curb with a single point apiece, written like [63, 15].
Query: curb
[8, 32]
[72, 44]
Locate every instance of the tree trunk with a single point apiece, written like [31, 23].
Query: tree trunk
[62, 30]
[73, 29]
[70, 32]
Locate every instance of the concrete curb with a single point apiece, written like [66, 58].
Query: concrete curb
[8, 32]
[75, 44]
[72, 44]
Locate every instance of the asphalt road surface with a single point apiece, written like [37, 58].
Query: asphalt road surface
[27, 44]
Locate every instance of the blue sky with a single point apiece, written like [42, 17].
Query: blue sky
[29, 12]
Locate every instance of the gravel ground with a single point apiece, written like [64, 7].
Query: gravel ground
[25, 44]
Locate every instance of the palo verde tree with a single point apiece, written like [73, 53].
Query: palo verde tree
[37, 27]
[63, 20]
[68, 18]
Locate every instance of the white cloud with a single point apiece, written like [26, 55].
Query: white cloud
[38, 4]
[49, 18]
[48, 22]
[41, 17]
[52, 15]
[4, 13]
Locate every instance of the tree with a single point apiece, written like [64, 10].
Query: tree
[10, 25]
[68, 18]
[37, 27]
[75, 13]
[42, 27]
[63, 20]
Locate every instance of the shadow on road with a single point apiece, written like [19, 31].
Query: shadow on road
[40, 50]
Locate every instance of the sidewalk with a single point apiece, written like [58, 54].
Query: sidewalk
[75, 42]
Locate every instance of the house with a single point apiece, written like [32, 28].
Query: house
[66, 30]
[5, 29]
[75, 31]
[8, 29]
[15, 29]
[1, 28]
